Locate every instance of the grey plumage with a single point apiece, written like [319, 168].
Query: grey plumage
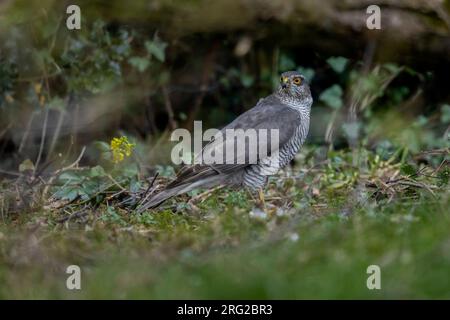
[287, 110]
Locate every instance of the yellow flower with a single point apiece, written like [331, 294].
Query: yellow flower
[121, 148]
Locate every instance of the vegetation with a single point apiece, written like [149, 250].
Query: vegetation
[85, 119]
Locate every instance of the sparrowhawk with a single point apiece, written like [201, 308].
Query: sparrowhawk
[287, 110]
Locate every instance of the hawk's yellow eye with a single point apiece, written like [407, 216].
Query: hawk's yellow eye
[297, 81]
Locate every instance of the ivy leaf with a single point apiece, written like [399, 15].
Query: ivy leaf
[338, 64]
[131, 170]
[247, 80]
[97, 171]
[157, 49]
[445, 113]
[89, 188]
[69, 176]
[67, 193]
[140, 63]
[392, 67]
[421, 121]
[102, 146]
[307, 72]
[135, 185]
[332, 96]
[165, 171]
[286, 63]
[351, 130]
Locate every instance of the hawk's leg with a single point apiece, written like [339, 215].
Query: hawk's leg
[262, 198]
[256, 183]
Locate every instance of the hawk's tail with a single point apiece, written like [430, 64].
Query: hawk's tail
[170, 192]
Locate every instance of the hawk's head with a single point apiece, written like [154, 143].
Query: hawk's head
[294, 85]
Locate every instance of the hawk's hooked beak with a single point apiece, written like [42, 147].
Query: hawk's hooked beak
[284, 83]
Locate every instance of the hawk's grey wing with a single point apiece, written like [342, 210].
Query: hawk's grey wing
[269, 114]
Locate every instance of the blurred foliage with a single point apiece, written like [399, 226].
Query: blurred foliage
[156, 80]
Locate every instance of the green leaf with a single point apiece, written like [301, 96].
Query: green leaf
[157, 49]
[67, 193]
[102, 146]
[286, 63]
[183, 116]
[332, 96]
[352, 129]
[90, 188]
[97, 171]
[69, 176]
[131, 170]
[135, 185]
[247, 80]
[338, 64]
[71, 195]
[392, 67]
[140, 63]
[307, 72]
[165, 171]
[420, 121]
[445, 113]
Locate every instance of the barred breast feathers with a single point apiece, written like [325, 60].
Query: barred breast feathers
[279, 159]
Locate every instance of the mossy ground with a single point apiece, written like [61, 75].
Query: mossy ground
[312, 241]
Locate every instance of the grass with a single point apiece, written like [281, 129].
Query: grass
[315, 241]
